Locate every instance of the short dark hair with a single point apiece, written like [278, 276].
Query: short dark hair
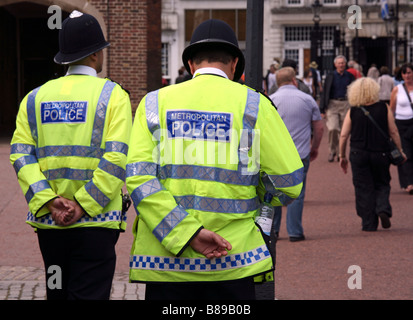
[289, 63]
[407, 66]
[212, 55]
[384, 70]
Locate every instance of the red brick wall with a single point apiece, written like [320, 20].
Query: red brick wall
[154, 69]
[134, 33]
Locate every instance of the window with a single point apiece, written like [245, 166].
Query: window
[293, 2]
[302, 33]
[236, 18]
[292, 54]
[165, 59]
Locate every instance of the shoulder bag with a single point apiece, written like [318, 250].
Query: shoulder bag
[408, 95]
[409, 133]
[395, 155]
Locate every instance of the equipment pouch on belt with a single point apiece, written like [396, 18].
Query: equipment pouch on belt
[126, 202]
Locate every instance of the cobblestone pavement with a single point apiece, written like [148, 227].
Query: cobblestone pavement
[28, 283]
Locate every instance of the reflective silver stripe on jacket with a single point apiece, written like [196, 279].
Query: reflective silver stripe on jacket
[169, 222]
[217, 204]
[23, 161]
[200, 172]
[93, 151]
[283, 181]
[100, 114]
[35, 188]
[182, 171]
[31, 113]
[152, 112]
[247, 135]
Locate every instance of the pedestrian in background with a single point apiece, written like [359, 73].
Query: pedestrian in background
[269, 80]
[181, 77]
[386, 84]
[300, 84]
[397, 75]
[370, 163]
[353, 68]
[373, 72]
[69, 152]
[334, 104]
[318, 86]
[302, 118]
[195, 236]
[308, 81]
[402, 107]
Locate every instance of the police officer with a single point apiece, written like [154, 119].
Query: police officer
[69, 153]
[198, 149]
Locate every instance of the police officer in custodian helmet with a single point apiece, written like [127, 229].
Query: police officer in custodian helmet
[69, 153]
[193, 172]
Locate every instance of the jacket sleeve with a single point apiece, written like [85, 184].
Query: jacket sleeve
[35, 187]
[154, 204]
[281, 168]
[109, 177]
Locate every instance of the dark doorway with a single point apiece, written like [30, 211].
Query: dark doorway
[374, 51]
[27, 49]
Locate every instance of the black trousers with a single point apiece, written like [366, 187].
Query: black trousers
[405, 170]
[79, 263]
[371, 180]
[242, 289]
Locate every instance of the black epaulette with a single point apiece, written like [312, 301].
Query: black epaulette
[127, 91]
[269, 99]
[262, 93]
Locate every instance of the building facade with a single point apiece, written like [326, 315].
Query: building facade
[148, 36]
[287, 30]
[28, 45]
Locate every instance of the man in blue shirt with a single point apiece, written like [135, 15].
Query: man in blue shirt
[300, 114]
[333, 102]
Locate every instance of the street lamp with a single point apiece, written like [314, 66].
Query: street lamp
[316, 35]
[316, 7]
[392, 27]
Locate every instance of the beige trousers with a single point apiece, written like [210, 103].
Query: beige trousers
[336, 111]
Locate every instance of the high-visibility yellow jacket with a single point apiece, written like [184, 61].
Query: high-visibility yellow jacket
[197, 151]
[71, 140]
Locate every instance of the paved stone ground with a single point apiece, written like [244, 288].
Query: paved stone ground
[314, 269]
[21, 265]
[28, 283]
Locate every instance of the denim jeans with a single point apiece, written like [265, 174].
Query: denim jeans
[294, 210]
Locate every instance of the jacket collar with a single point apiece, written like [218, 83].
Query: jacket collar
[82, 70]
[210, 70]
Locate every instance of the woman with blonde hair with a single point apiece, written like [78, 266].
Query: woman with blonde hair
[370, 163]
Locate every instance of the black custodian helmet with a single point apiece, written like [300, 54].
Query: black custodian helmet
[218, 34]
[80, 36]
